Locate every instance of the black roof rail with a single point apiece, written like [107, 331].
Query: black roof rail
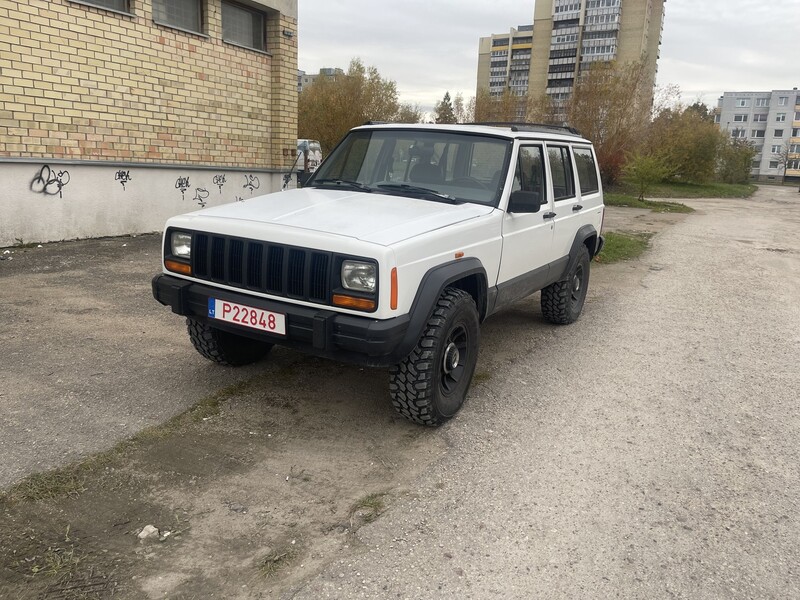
[376, 123]
[516, 126]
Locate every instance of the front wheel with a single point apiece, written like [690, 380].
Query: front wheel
[562, 301]
[225, 348]
[430, 385]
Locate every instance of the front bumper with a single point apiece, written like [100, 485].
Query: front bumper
[343, 337]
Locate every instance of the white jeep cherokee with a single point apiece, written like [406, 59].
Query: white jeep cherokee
[405, 239]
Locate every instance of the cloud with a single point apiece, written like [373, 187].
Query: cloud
[430, 47]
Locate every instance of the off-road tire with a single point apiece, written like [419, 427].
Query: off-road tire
[429, 386]
[562, 301]
[225, 348]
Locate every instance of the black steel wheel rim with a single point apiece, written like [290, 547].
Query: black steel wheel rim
[454, 359]
[576, 285]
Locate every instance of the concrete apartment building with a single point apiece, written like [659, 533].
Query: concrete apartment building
[570, 35]
[770, 121]
[504, 61]
[305, 79]
[116, 114]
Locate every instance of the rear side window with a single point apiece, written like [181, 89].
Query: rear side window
[587, 170]
[561, 170]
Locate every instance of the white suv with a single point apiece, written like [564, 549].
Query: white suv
[403, 241]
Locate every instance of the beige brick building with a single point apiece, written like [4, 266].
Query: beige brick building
[140, 103]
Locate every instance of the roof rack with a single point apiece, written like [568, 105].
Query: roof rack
[516, 126]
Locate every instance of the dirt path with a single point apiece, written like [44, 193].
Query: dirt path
[263, 490]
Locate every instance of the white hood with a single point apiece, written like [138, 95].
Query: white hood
[370, 217]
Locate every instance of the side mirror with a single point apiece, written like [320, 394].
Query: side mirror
[524, 202]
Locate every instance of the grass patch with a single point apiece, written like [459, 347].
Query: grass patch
[272, 564]
[617, 199]
[623, 246]
[367, 509]
[689, 190]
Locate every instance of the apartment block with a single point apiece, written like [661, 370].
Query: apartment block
[305, 79]
[504, 61]
[115, 114]
[570, 35]
[770, 121]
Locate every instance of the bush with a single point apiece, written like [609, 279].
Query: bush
[735, 158]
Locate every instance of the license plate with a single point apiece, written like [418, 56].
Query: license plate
[247, 316]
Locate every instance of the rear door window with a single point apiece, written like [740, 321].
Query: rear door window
[561, 172]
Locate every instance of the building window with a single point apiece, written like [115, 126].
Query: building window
[120, 5]
[739, 133]
[778, 133]
[794, 148]
[760, 118]
[780, 117]
[740, 118]
[759, 133]
[183, 14]
[755, 164]
[741, 103]
[243, 26]
[796, 131]
[776, 148]
[783, 100]
[797, 116]
[773, 164]
[762, 102]
[793, 165]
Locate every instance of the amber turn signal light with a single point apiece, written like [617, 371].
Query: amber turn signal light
[178, 267]
[393, 298]
[350, 302]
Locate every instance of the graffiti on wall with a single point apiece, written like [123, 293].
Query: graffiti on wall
[219, 181]
[182, 184]
[49, 182]
[200, 195]
[251, 183]
[238, 199]
[123, 177]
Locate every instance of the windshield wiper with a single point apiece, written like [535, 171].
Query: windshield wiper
[421, 191]
[342, 183]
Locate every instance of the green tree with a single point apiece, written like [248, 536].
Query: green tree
[644, 170]
[443, 111]
[688, 142]
[331, 106]
[734, 162]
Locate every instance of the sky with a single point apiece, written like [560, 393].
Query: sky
[427, 48]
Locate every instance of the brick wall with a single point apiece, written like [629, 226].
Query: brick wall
[78, 82]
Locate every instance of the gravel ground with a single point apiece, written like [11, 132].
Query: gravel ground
[648, 451]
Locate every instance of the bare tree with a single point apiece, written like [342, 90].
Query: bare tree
[610, 105]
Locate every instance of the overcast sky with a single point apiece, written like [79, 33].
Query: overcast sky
[429, 47]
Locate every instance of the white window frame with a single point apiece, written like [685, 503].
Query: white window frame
[742, 103]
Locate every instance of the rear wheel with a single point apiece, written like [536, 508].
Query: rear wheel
[430, 384]
[562, 301]
[225, 348]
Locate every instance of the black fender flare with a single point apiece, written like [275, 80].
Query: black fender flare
[583, 234]
[431, 287]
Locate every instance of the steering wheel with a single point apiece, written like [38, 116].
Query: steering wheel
[470, 182]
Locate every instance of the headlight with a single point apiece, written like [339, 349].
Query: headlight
[181, 244]
[359, 276]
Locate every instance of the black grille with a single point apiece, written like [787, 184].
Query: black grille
[264, 267]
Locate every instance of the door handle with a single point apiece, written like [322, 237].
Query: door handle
[549, 215]
[576, 207]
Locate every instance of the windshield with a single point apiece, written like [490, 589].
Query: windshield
[433, 165]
